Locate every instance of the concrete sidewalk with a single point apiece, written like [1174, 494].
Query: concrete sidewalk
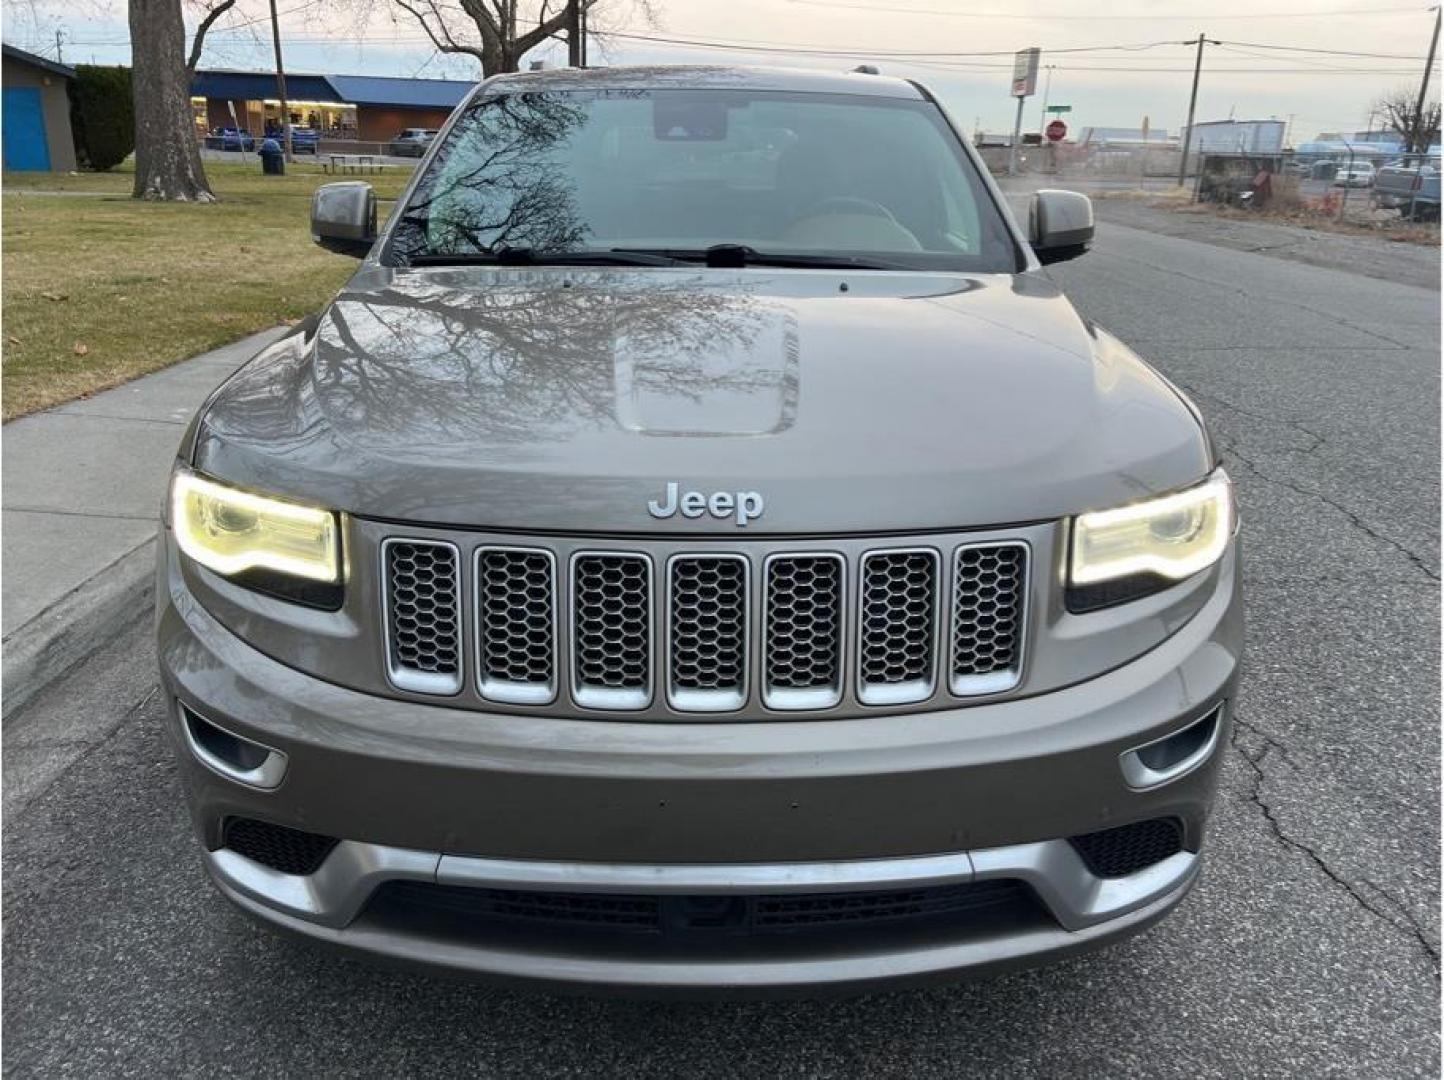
[83, 485]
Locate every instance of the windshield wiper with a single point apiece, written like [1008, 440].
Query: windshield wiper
[525, 256]
[739, 255]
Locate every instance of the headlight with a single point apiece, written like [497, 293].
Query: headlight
[1120, 554]
[242, 534]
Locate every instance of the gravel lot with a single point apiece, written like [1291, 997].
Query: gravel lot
[1311, 947]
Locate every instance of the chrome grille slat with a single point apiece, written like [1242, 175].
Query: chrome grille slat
[516, 624]
[990, 587]
[422, 598]
[897, 626]
[707, 635]
[611, 610]
[803, 631]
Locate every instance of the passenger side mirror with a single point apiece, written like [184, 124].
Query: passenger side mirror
[1060, 225]
[343, 217]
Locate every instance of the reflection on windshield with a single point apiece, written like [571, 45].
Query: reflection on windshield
[680, 170]
[496, 186]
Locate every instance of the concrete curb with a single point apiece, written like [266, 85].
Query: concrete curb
[77, 625]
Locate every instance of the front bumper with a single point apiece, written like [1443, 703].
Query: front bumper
[424, 793]
[330, 906]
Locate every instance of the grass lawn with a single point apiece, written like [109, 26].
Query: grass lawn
[99, 289]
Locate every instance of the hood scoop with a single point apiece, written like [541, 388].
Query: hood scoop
[734, 388]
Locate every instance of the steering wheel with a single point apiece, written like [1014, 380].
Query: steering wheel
[850, 204]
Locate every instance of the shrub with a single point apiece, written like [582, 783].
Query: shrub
[102, 116]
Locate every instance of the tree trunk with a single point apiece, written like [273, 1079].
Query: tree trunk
[167, 154]
[494, 59]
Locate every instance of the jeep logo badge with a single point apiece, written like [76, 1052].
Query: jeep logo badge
[742, 506]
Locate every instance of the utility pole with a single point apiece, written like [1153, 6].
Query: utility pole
[1047, 88]
[1017, 135]
[1418, 137]
[1192, 104]
[574, 33]
[281, 83]
[583, 20]
[59, 56]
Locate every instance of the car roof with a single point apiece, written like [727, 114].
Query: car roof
[706, 77]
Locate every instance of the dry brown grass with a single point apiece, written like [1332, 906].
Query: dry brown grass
[1289, 206]
[99, 288]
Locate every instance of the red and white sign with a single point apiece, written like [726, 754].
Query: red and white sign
[1025, 72]
[1056, 130]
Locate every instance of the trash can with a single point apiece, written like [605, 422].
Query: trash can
[273, 160]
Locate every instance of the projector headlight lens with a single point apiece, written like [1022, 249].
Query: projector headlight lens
[1159, 541]
[232, 531]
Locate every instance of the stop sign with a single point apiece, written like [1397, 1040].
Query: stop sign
[1056, 130]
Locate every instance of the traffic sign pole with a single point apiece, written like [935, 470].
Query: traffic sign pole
[1025, 84]
[1017, 134]
[1047, 89]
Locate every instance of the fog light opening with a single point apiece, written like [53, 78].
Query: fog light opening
[236, 758]
[1172, 756]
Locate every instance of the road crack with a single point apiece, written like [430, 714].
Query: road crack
[1256, 761]
[1280, 421]
[1418, 561]
[1253, 295]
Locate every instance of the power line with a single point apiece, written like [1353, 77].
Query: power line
[743, 45]
[958, 58]
[1323, 52]
[753, 45]
[1058, 17]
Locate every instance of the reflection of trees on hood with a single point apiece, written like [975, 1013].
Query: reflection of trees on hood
[529, 359]
[493, 184]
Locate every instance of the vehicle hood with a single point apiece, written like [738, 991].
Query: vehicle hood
[567, 399]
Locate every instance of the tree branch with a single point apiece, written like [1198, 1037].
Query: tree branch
[199, 40]
[446, 43]
[483, 19]
[534, 37]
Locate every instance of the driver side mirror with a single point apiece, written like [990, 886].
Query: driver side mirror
[1060, 225]
[343, 217]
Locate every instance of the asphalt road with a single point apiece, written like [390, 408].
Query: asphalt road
[1310, 948]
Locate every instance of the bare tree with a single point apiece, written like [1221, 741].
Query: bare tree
[1419, 131]
[497, 33]
[167, 155]
[212, 10]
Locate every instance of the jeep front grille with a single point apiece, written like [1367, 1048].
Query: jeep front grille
[612, 630]
[647, 628]
[989, 582]
[707, 632]
[423, 615]
[802, 635]
[897, 639]
[516, 624]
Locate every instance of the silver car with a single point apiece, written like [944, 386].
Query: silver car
[701, 551]
[413, 142]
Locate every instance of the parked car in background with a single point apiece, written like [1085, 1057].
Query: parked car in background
[304, 140]
[411, 143]
[1358, 174]
[1410, 185]
[237, 139]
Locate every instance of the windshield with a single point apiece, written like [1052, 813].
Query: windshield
[680, 171]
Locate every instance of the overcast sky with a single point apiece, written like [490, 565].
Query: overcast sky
[1254, 73]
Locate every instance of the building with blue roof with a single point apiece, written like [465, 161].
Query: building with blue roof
[365, 108]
